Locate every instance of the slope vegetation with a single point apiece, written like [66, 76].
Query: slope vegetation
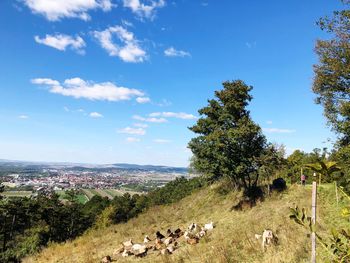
[231, 241]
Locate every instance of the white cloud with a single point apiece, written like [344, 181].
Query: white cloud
[172, 52]
[23, 117]
[127, 23]
[95, 115]
[151, 119]
[178, 115]
[143, 100]
[66, 109]
[61, 42]
[128, 50]
[141, 125]
[142, 10]
[79, 88]
[133, 131]
[277, 130]
[133, 139]
[161, 141]
[55, 10]
[269, 122]
[45, 81]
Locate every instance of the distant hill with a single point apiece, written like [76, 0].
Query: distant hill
[83, 166]
[149, 167]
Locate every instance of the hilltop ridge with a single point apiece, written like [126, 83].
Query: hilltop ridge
[231, 241]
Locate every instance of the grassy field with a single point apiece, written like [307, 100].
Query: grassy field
[231, 241]
[17, 193]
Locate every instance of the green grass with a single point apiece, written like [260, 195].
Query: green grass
[82, 198]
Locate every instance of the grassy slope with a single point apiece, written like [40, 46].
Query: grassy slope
[231, 241]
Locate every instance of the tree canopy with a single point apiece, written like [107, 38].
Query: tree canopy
[332, 73]
[229, 143]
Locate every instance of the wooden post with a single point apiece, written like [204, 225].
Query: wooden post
[336, 192]
[313, 221]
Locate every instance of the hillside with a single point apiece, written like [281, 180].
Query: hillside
[231, 241]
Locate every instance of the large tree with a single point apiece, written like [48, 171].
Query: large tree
[229, 143]
[332, 73]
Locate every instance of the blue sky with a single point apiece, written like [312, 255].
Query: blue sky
[106, 81]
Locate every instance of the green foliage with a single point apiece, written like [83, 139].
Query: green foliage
[324, 169]
[105, 218]
[27, 224]
[332, 73]
[342, 157]
[229, 143]
[300, 217]
[297, 162]
[339, 243]
[125, 207]
[271, 162]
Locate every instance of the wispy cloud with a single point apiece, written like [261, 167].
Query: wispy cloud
[164, 103]
[178, 115]
[127, 23]
[95, 115]
[133, 131]
[79, 88]
[141, 125]
[54, 10]
[269, 122]
[278, 130]
[133, 139]
[23, 117]
[128, 48]
[143, 10]
[172, 52]
[62, 42]
[161, 141]
[149, 119]
[143, 100]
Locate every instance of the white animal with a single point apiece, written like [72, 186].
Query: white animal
[138, 249]
[125, 253]
[146, 239]
[209, 226]
[201, 233]
[192, 227]
[171, 248]
[128, 244]
[267, 238]
[168, 241]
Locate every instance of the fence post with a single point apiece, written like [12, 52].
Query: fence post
[313, 221]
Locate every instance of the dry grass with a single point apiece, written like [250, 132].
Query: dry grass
[231, 241]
